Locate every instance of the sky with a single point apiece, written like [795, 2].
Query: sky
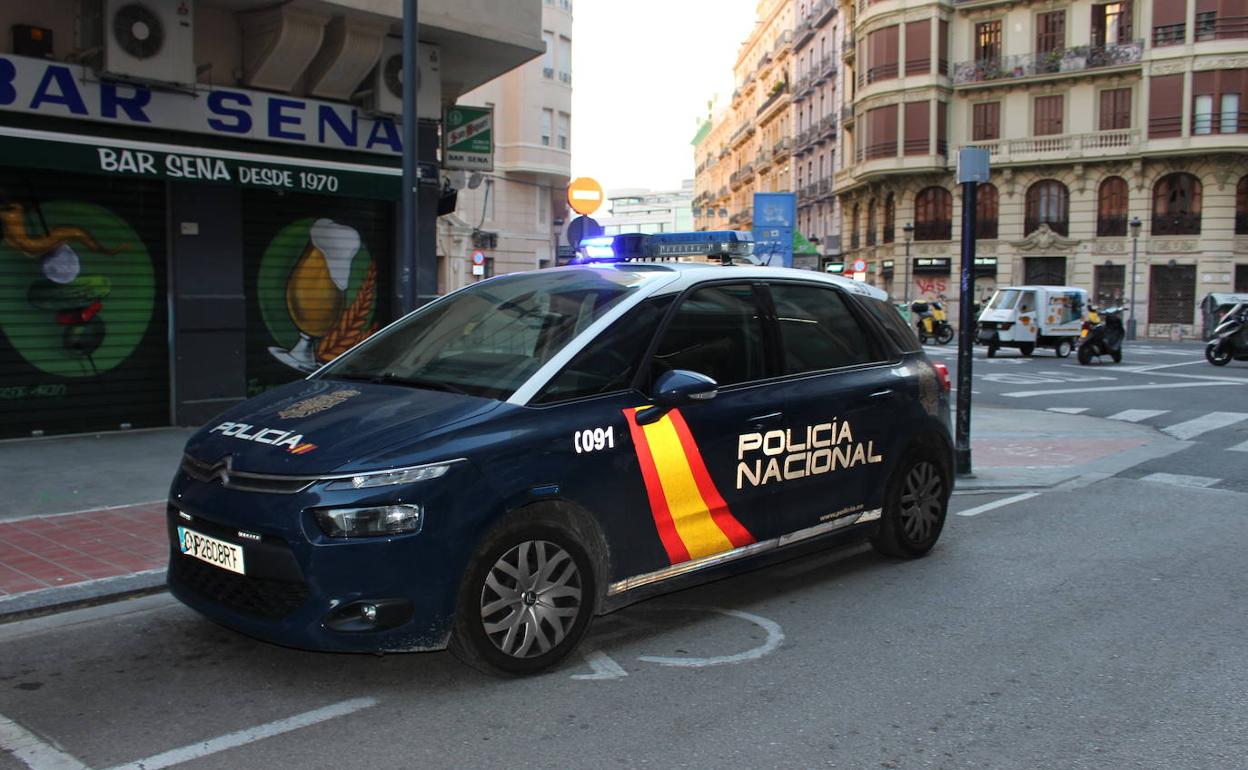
[642, 73]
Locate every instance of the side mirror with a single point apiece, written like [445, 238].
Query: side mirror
[677, 388]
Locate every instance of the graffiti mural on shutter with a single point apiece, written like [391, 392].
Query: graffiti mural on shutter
[318, 280]
[83, 330]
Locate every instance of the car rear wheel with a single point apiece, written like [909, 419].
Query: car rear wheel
[1063, 348]
[1027, 348]
[915, 505]
[526, 602]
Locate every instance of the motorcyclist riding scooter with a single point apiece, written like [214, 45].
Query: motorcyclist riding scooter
[933, 322]
[1230, 337]
[1102, 335]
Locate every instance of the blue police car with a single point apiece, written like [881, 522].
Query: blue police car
[494, 469]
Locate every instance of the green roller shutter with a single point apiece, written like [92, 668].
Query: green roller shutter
[318, 280]
[83, 308]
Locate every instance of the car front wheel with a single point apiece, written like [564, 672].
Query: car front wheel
[526, 602]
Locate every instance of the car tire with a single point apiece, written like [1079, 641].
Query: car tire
[1062, 349]
[915, 505]
[1085, 354]
[526, 601]
[1027, 348]
[1217, 354]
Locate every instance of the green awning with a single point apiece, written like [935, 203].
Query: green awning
[803, 246]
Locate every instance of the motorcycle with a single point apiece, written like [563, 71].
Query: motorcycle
[933, 322]
[1230, 338]
[1102, 335]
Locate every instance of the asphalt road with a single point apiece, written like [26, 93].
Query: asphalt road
[1097, 627]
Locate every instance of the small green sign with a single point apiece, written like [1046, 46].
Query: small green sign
[468, 138]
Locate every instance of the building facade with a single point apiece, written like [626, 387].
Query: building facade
[1095, 114]
[200, 200]
[648, 211]
[747, 146]
[514, 214]
[816, 118]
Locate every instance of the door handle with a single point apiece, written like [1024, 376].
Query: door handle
[888, 394]
[763, 420]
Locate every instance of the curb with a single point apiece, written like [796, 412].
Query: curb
[47, 601]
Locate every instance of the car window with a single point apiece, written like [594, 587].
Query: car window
[716, 331]
[608, 363]
[817, 329]
[895, 326]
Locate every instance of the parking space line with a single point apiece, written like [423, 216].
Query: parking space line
[775, 637]
[33, 751]
[998, 504]
[249, 735]
[604, 667]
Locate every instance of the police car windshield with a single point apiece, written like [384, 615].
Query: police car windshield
[489, 338]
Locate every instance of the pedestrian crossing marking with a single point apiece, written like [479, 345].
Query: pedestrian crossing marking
[1137, 415]
[1067, 409]
[1181, 480]
[1204, 424]
[1239, 447]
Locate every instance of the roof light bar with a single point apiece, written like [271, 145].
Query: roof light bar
[626, 247]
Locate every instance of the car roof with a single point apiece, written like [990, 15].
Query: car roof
[691, 273]
[1042, 287]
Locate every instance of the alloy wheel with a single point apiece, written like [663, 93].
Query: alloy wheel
[921, 502]
[531, 598]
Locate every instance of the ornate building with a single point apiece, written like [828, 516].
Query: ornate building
[1095, 114]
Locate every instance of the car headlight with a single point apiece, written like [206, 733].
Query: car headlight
[387, 478]
[370, 521]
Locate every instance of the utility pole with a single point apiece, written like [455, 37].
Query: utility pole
[908, 234]
[410, 279]
[972, 169]
[1135, 224]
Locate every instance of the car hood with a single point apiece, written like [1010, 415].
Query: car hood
[317, 426]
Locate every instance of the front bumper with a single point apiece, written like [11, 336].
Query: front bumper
[299, 583]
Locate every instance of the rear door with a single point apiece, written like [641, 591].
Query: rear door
[840, 402]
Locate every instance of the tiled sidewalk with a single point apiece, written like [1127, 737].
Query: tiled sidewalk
[58, 550]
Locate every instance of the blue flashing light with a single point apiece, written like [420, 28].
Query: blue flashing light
[720, 244]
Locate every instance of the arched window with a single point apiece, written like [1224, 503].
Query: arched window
[1048, 203]
[1111, 207]
[1241, 207]
[890, 216]
[986, 199]
[853, 228]
[933, 215]
[1176, 205]
[871, 224]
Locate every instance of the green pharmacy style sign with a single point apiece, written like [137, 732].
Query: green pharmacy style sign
[468, 138]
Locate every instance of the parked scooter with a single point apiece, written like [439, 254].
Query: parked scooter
[933, 322]
[1230, 338]
[1102, 335]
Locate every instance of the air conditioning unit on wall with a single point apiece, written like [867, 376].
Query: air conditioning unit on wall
[149, 39]
[386, 92]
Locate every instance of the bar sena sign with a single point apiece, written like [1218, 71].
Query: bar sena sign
[52, 89]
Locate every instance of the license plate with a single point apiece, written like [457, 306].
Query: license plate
[216, 552]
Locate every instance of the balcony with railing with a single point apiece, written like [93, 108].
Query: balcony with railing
[940, 230]
[1176, 224]
[747, 172]
[762, 160]
[822, 11]
[1068, 61]
[826, 129]
[782, 42]
[804, 85]
[849, 48]
[782, 147]
[1111, 225]
[777, 93]
[804, 31]
[744, 130]
[1100, 144]
[824, 68]
[824, 188]
[847, 114]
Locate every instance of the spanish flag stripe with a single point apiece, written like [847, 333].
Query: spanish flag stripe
[689, 511]
[723, 518]
[672, 543]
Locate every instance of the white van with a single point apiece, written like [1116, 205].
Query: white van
[1030, 317]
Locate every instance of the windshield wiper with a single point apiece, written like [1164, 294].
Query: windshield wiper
[390, 378]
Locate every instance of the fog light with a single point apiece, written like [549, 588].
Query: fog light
[369, 612]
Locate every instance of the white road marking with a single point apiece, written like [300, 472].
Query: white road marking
[775, 636]
[604, 667]
[1204, 424]
[249, 735]
[1166, 366]
[998, 504]
[1239, 447]
[1068, 409]
[1109, 388]
[1137, 415]
[32, 750]
[1180, 480]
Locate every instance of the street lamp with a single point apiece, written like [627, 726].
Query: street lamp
[908, 235]
[1135, 224]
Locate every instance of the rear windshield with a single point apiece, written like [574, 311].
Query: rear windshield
[489, 338]
[894, 325]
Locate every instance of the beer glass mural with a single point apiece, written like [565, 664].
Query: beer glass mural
[316, 286]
